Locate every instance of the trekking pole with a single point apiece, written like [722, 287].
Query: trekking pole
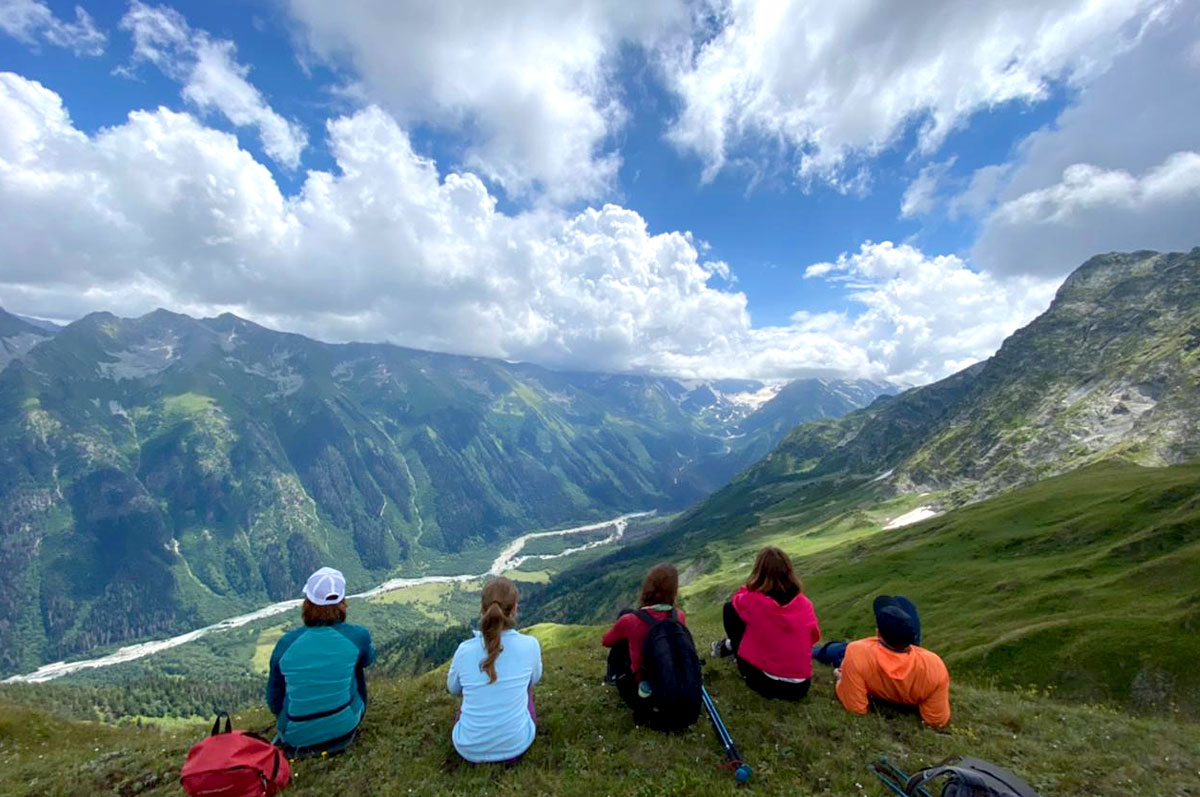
[741, 770]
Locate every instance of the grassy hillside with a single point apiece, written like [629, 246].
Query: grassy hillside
[1053, 604]
[588, 745]
[1085, 583]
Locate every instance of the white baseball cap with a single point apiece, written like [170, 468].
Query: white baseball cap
[326, 587]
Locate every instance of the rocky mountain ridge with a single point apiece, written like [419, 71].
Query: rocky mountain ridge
[17, 336]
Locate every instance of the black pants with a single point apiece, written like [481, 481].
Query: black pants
[756, 679]
[620, 675]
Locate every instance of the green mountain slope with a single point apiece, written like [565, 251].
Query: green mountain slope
[587, 743]
[160, 472]
[1112, 368]
[1085, 583]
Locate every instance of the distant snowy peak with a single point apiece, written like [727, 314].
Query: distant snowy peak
[726, 401]
[744, 405]
[753, 400]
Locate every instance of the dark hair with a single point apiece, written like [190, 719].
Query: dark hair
[497, 612]
[315, 615]
[661, 585]
[773, 574]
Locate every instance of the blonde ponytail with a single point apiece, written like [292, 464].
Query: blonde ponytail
[498, 606]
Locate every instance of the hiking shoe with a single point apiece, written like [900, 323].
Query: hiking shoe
[720, 649]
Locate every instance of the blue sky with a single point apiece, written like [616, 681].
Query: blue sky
[767, 190]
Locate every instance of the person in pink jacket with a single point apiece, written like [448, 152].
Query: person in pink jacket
[771, 628]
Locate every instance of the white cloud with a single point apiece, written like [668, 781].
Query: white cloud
[921, 196]
[529, 81]
[827, 83]
[1091, 210]
[1115, 171]
[925, 316]
[32, 22]
[163, 211]
[211, 76]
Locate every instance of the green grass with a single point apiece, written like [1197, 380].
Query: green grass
[1087, 584]
[264, 646]
[587, 743]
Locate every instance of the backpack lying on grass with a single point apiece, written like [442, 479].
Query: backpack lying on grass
[964, 777]
[233, 763]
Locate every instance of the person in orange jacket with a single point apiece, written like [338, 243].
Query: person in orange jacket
[891, 666]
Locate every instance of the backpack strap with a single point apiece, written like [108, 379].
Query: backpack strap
[648, 618]
[917, 781]
[969, 777]
[216, 729]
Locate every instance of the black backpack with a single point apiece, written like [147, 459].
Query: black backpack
[970, 777]
[672, 669]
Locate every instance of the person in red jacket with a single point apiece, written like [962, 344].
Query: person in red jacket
[771, 628]
[660, 593]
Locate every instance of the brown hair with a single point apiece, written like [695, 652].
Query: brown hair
[773, 574]
[661, 585]
[323, 615]
[497, 613]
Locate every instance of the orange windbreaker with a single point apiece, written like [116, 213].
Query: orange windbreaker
[917, 677]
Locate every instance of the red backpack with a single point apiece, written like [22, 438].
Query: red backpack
[233, 763]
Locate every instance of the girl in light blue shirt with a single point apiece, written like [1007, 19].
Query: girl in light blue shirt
[495, 671]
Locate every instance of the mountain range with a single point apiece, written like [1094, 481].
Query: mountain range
[161, 472]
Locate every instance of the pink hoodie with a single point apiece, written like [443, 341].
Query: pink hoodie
[778, 639]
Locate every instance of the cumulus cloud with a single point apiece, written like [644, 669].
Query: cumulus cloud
[924, 316]
[1070, 192]
[826, 84]
[211, 76]
[530, 81]
[33, 22]
[162, 210]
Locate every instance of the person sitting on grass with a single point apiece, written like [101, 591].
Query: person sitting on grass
[495, 671]
[317, 686]
[771, 628]
[626, 639]
[891, 667]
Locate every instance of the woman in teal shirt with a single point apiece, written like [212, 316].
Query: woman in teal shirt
[495, 671]
[317, 689]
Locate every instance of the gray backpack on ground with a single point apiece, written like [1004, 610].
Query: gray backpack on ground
[970, 777]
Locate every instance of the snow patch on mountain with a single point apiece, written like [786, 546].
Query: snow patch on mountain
[753, 400]
[141, 360]
[909, 518]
